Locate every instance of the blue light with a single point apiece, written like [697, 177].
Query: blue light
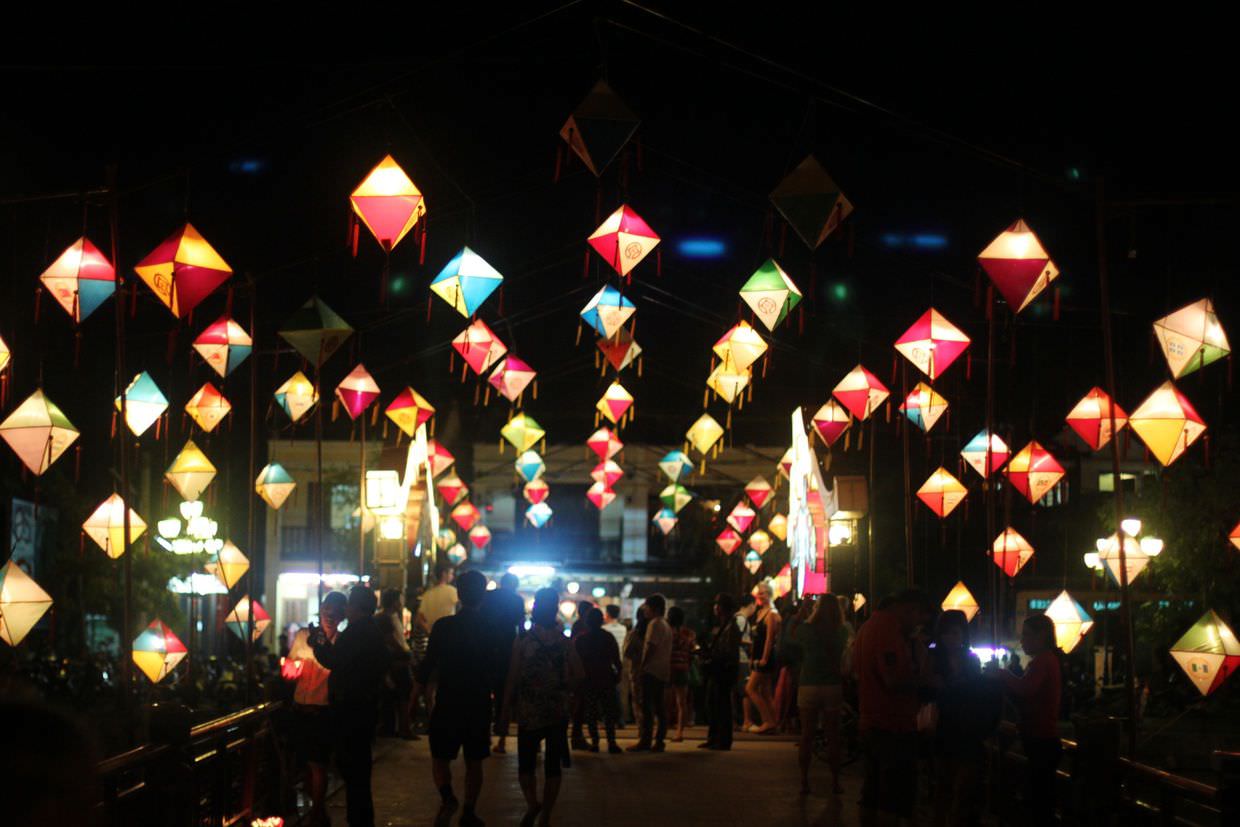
[929, 241]
[701, 248]
[247, 166]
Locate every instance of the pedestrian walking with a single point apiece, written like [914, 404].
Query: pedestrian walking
[720, 665]
[655, 669]
[600, 663]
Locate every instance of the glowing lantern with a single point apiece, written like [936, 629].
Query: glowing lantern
[1033, 471]
[106, 526]
[356, 391]
[22, 603]
[615, 402]
[144, 403]
[974, 453]
[620, 350]
[80, 279]
[728, 541]
[157, 651]
[607, 311]
[932, 344]
[1191, 338]
[778, 526]
[207, 407]
[511, 377]
[665, 519]
[439, 457]
[785, 464]
[759, 491]
[457, 554]
[858, 602]
[522, 432]
[530, 466]
[704, 433]
[238, 620]
[480, 536]
[727, 383]
[600, 495]
[607, 472]
[675, 497]
[1071, 621]
[1135, 558]
[224, 345]
[452, 488]
[388, 203]
[1018, 265]
[782, 582]
[811, 202]
[466, 515]
[535, 491]
[538, 514]
[861, 392]
[409, 410]
[1167, 423]
[942, 492]
[1091, 418]
[760, 541]
[1010, 551]
[923, 406]
[599, 128]
[1208, 653]
[961, 599]
[479, 347]
[466, 281]
[445, 538]
[770, 294]
[315, 331]
[741, 517]
[604, 443]
[1235, 536]
[229, 565]
[190, 472]
[623, 240]
[38, 432]
[740, 347]
[296, 396]
[5, 355]
[753, 561]
[831, 421]
[183, 271]
[675, 465]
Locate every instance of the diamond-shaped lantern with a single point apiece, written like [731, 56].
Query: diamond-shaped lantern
[675, 497]
[356, 391]
[1167, 423]
[942, 492]
[665, 519]
[1010, 551]
[607, 472]
[861, 392]
[760, 541]
[274, 484]
[522, 432]
[810, 200]
[1071, 621]
[144, 403]
[770, 294]
[538, 514]
[615, 403]
[1234, 536]
[600, 495]
[224, 345]
[5, 355]
[452, 488]
[932, 343]
[535, 491]
[1208, 653]
[388, 203]
[831, 421]
[676, 465]
[80, 279]
[183, 270]
[728, 541]
[22, 603]
[208, 407]
[511, 377]
[778, 526]
[599, 128]
[190, 472]
[759, 491]
[607, 311]
[439, 457]
[704, 434]
[620, 350]
[923, 406]
[479, 346]
[962, 600]
[740, 347]
[785, 464]
[974, 453]
[623, 240]
[466, 281]
[445, 538]
[1191, 338]
[753, 561]
[315, 331]
[727, 383]
[238, 620]
[1033, 471]
[296, 396]
[157, 651]
[409, 410]
[106, 526]
[1135, 558]
[457, 554]
[530, 466]
[480, 536]
[1091, 418]
[741, 517]
[229, 565]
[604, 443]
[1018, 265]
[38, 432]
[466, 515]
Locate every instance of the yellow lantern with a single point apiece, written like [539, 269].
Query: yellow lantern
[522, 432]
[727, 381]
[191, 472]
[778, 526]
[106, 526]
[740, 347]
[961, 599]
[296, 396]
[230, 565]
[22, 603]
[942, 492]
[1071, 621]
[274, 484]
[157, 651]
[208, 407]
[1167, 423]
[704, 433]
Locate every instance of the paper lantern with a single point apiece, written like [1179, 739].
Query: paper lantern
[1091, 418]
[388, 203]
[607, 472]
[676, 465]
[511, 377]
[409, 410]
[831, 421]
[1071, 621]
[445, 538]
[238, 620]
[190, 472]
[22, 603]
[728, 541]
[5, 355]
[727, 383]
[615, 402]
[522, 432]
[1010, 551]
[704, 433]
[157, 651]
[623, 240]
[942, 492]
[535, 491]
[480, 536]
[741, 517]
[530, 466]
[1235, 536]
[753, 561]
[599, 128]
[600, 495]
[1191, 338]
[785, 464]
[740, 347]
[811, 202]
[439, 457]
[770, 294]
[759, 491]
[1167, 423]
[466, 281]
[923, 406]
[296, 396]
[315, 331]
[604, 443]
[38, 432]
[80, 279]
[621, 350]
[356, 391]
[224, 345]
[106, 526]
[452, 488]
[479, 347]
[207, 407]
[607, 311]
[665, 519]
[183, 271]
[538, 514]
[961, 599]
[1018, 265]
[144, 403]
[1135, 558]
[858, 602]
[274, 484]
[457, 554]
[974, 453]
[782, 582]
[861, 392]
[1033, 471]
[675, 497]
[778, 526]
[932, 344]
[466, 515]
[229, 565]
[1208, 653]
[760, 541]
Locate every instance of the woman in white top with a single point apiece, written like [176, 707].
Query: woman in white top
[312, 728]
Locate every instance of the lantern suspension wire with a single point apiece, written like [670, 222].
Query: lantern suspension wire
[988, 481]
[249, 529]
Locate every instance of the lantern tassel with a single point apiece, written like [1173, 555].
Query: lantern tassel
[1055, 307]
[38, 303]
[422, 246]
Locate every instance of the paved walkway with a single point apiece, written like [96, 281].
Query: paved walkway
[754, 784]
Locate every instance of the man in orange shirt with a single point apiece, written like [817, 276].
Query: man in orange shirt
[887, 678]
